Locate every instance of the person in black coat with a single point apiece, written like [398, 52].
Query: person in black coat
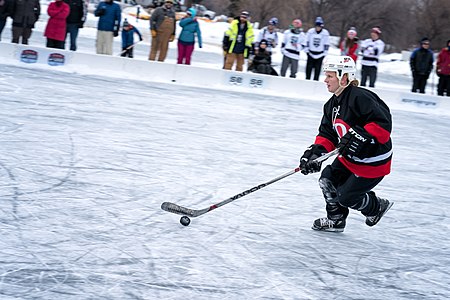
[75, 20]
[421, 63]
[5, 12]
[25, 14]
[262, 60]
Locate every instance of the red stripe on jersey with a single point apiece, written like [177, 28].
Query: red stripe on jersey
[329, 146]
[378, 132]
[367, 171]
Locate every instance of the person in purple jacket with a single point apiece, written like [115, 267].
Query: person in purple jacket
[186, 40]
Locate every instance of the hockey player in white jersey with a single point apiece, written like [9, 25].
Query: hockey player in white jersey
[292, 44]
[371, 50]
[316, 47]
[269, 34]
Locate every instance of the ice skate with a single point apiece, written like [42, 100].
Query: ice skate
[325, 224]
[385, 205]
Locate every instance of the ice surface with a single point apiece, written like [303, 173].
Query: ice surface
[85, 163]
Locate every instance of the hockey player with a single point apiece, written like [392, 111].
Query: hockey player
[358, 123]
[317, 44]
[269, 34]
[292, 44]
[371, 50]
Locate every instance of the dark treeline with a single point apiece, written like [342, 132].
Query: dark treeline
[403, 22]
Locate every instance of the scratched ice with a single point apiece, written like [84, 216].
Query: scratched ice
[85, 163]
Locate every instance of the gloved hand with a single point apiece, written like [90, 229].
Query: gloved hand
[154, 33]
[80, 25]
[100, 12]
[141, 39]
[116, 33]
[200, 46]
[307, 163]
[172, 38]
[354, 141]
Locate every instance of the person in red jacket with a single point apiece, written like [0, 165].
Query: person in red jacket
[443, 70]
[359, 124]
[349, 46]
[55, 31]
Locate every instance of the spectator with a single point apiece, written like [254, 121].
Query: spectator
[443, 70]
[261, 62]
[238, 41]
[24, 14]
[269, 34]
[128, 43]
[5, 12]
[421, 63]
[186, 40]
[75, 20]
[292, 44]
[371, 50]
[55, 31]
[317, 44]
[162, 26]
[108, 25]
[349, 46]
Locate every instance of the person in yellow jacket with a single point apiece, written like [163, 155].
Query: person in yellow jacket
[237, 42]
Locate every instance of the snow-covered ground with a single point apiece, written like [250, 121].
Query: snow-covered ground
[86, 161]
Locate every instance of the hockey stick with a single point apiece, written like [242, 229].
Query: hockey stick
[180, 210]
[128, 48]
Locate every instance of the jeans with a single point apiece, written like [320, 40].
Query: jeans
[72, 29]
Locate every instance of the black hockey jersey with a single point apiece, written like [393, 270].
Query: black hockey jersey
[359, 106]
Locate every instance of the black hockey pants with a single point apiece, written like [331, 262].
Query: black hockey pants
[351, 192]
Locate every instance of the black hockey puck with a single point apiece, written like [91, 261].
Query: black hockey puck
[185, 221]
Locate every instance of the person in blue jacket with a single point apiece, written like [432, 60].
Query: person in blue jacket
[108, 25]
[128, 32]
[186, 40]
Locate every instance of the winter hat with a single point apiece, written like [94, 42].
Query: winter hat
[376, 29]
[263, 42]
[319, 21]
[125, 23]
[245, 14]
[424, 40]
[297, 23]
[191, 11]
[273, 21]
[351, 33]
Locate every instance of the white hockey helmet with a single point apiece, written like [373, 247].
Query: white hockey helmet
[341, 65]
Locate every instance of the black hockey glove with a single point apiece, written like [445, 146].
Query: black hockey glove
[307, 163]
[116, 33]
[354, 141]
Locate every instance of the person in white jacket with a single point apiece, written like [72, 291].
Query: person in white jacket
[292, 44]
[317, 44]
[371, 50]
[268, 33]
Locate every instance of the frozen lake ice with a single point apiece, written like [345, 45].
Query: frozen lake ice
[86, 161]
